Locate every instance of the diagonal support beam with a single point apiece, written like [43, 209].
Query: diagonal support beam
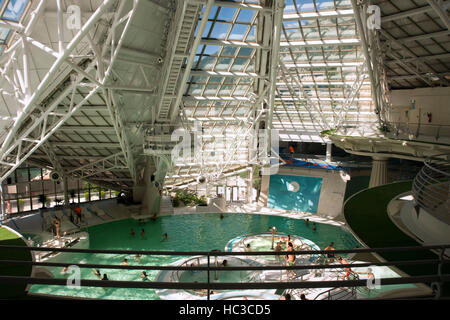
[190, 61]
[438, 7]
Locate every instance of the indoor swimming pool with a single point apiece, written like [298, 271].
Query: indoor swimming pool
[187, 232]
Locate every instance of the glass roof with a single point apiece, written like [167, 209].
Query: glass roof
[321, 64]
[11, 11]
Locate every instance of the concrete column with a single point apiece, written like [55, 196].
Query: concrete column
[378, 176]
[264, 194]
[328, 154]
[249, 184]
[66, 191]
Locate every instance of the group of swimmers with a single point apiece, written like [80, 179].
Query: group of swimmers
[289, 259]
[133, 233]
[314, 226]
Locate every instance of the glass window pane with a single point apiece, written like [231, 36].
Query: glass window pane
[15, 10]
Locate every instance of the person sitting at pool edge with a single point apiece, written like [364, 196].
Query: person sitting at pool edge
[105, 277]
[224, 263]
[290, 260]
[277, 249]
[287, 296]
[347, 269]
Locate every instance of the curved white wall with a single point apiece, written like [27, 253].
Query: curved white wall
[426, 227]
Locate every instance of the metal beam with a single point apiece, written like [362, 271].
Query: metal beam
[441, 11]
[411, 13]
[31, 103]
[190, 61]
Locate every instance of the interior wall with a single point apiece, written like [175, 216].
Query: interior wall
[332, 192]
[414, 105]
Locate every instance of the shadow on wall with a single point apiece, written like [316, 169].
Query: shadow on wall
[294, 193]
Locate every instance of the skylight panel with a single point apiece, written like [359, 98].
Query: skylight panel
[15, 10]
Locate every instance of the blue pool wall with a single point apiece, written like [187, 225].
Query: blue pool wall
[306, 199]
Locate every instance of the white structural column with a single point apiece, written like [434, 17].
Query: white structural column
[328, 153]
[378, 176]
[275, 58]
[263, 199]
[250, 184]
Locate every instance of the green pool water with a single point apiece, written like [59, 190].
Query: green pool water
[189, 232]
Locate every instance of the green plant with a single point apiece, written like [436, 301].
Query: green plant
[86, 196]
[327, 132]
[175, 202]
[102, 194]
[189, 199]
[20, 204]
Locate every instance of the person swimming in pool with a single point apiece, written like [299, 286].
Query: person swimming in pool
[125, 262]
[314, 227]
[142, 232]
[330, 256]
[144, 276]
[64, 270]
[132, 233]
[97, 273]
[165, 236]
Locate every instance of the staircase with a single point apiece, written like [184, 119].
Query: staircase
[180, 36]
[166, 205]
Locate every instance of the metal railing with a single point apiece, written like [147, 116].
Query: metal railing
[436, 281]
[431, 186]
[419, 131]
